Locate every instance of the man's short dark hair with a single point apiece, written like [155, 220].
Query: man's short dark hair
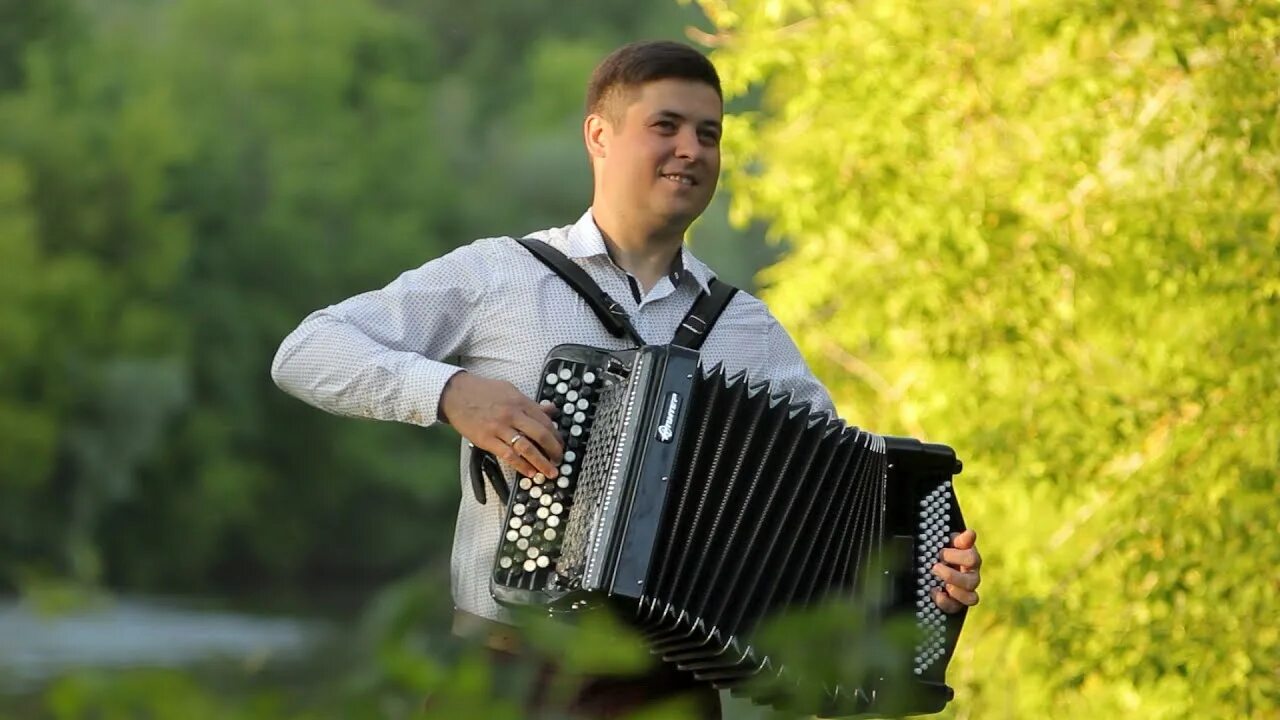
[637, 63]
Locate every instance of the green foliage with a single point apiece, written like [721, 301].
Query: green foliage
[1047, 234]
[180, 183]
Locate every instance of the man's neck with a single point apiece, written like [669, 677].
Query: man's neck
[645, 253]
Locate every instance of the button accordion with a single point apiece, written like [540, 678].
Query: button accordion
[700, 504]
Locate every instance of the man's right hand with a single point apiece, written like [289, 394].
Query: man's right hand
[497, 417]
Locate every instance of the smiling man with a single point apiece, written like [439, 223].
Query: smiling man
[461, 339]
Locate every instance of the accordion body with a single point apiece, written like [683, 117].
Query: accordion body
[701, 505]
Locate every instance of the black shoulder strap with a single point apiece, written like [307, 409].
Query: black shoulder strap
[702, 316]
[612, 314]
[692, 332]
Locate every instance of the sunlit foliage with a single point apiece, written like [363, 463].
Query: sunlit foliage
[1048, 234]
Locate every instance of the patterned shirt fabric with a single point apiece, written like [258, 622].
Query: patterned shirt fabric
[493, 309]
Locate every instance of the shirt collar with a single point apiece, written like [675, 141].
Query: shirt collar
[585, 240]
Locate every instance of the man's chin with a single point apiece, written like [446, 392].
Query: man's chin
[682, 211]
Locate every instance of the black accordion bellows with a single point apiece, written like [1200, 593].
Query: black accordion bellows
[704, 505]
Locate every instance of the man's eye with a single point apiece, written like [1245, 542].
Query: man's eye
[665, 125]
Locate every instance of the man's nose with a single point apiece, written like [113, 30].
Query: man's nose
[688, 145]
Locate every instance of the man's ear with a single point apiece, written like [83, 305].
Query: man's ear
[595, 132]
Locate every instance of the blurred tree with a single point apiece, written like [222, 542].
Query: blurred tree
[179, 184]
[177, 187]
[1047, 234]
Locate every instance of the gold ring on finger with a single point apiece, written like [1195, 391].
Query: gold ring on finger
[515, 439]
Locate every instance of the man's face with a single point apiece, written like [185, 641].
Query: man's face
[660, 164]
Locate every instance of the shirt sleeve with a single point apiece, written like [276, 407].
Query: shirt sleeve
[790, 373]
[381, 354]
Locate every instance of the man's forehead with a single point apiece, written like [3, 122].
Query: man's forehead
[688, 98]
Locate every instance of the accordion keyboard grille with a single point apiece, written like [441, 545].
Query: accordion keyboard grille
[592, 485]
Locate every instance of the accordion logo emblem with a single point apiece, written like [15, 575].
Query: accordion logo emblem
[667, 430]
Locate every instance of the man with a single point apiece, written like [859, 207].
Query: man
[652, 132]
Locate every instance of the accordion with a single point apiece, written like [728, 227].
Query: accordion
[699, 505]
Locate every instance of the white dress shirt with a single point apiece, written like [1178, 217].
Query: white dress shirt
[493, 309]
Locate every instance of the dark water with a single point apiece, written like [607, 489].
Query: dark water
[140, 632]
[130, 632]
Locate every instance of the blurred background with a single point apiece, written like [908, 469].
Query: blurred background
[1045, 233]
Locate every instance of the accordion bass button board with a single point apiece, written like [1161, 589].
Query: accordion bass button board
[700, 505]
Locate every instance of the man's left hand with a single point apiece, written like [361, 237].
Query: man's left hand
[959, 570]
